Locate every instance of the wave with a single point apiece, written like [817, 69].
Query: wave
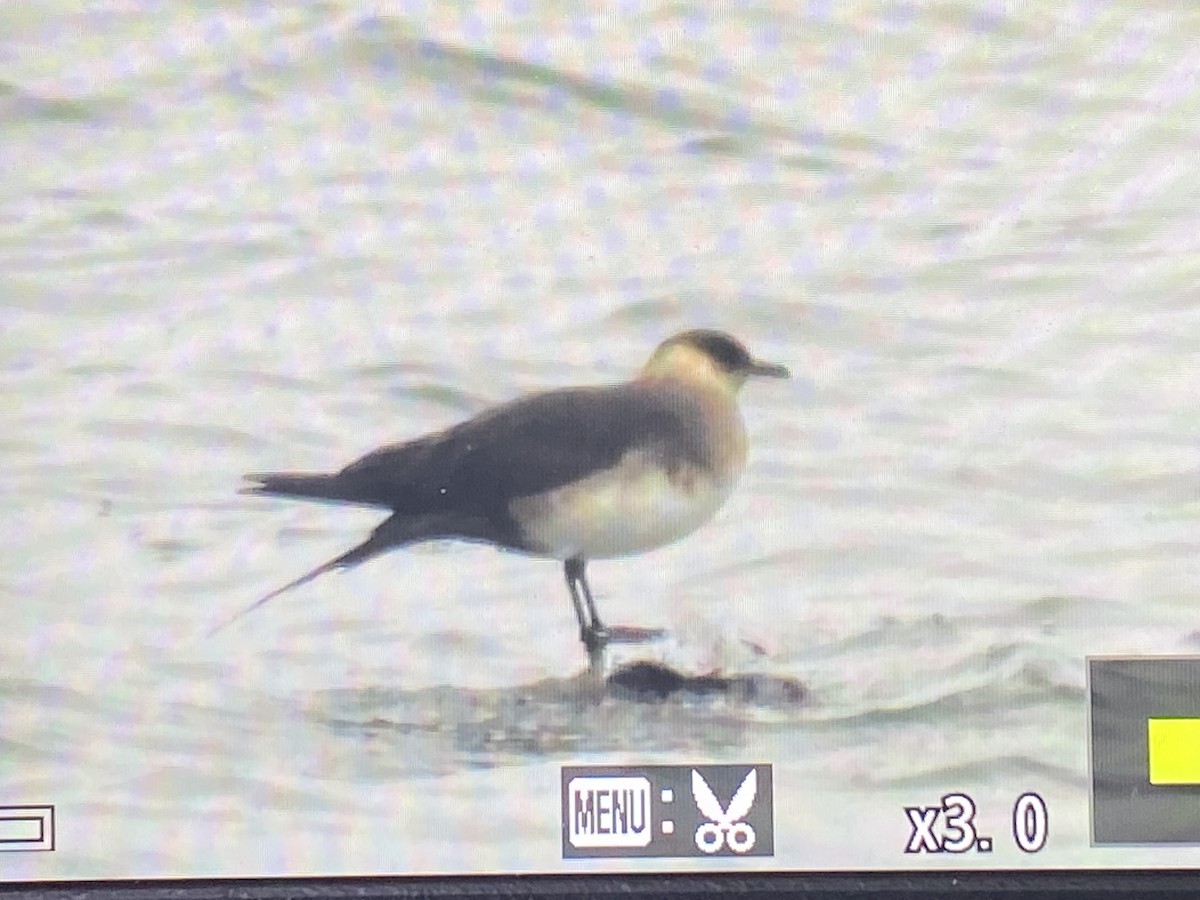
[21, 106]
[999, 769]
[939, 669]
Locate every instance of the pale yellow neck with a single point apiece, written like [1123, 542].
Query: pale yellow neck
[682, 362]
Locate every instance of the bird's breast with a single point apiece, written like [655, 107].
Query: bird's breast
[648, 499]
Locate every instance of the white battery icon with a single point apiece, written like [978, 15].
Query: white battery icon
[26, 828]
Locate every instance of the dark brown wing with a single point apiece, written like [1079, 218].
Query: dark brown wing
[530, 445]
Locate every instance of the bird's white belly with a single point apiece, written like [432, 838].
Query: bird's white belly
[629, 509]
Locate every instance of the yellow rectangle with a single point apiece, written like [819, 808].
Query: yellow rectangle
[1174, 751]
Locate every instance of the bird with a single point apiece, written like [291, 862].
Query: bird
[572, 474]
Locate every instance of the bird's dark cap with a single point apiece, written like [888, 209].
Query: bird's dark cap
[729, 353]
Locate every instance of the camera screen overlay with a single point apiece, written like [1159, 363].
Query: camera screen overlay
[541, 437]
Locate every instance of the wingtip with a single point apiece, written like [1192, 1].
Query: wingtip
[258, 483]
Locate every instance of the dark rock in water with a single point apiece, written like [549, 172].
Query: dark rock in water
[653, 681]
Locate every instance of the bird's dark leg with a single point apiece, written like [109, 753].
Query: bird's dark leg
[597, 625]
[570, 569]
[594, 633]
[591, 631]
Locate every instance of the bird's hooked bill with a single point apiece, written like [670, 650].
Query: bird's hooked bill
[769, 370]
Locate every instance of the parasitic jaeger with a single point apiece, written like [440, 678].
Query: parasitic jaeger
[572, 474]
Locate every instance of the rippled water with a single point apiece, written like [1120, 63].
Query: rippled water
[241, 239]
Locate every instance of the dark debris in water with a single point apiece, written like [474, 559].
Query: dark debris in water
[653, 681]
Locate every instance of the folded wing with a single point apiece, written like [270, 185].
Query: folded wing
[522, 448]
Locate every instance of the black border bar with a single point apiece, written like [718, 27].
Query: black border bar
[1023, 883]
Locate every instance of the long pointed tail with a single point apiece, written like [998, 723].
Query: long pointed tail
[392, 532]
[335, 488]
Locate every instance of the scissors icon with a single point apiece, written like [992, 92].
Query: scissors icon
[725, 825]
